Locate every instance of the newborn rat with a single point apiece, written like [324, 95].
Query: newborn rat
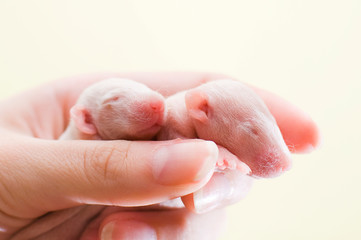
[233, 116]
[116, 109]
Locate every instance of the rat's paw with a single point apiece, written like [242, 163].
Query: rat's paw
[227, 160]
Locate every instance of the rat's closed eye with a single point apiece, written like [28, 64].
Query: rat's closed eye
[112, 99]
[248, 127]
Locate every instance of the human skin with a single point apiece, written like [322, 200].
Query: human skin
[65, 175]
[224, 111]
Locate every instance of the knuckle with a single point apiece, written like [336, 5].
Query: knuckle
[106, 162]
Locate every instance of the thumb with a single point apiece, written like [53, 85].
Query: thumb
[50, 175]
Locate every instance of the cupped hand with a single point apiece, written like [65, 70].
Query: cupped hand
[46, 185]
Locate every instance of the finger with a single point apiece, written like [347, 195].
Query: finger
[64, 224]
[299, 131]
[174, 224]
[167, 83]
[61, 174]
[226, 187]
[229, 184]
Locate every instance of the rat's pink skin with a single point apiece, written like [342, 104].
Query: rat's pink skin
[233, 116]
[116, 109]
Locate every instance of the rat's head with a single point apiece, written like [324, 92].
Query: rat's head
[232, 115]
[122, 109]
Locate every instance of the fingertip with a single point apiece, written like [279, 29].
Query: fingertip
[303, 138]
[127, 229]
[184, 161]
[299, 131]
[188, 202]
[226, 187]
[173, 224]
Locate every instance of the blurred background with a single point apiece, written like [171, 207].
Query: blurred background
[307, 51]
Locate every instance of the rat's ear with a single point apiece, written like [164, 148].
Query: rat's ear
[197, 105]
[82, 119]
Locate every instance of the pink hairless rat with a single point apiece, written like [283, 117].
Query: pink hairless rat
[116, 109]
[233, 116]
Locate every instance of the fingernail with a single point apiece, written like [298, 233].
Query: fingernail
[127, 229]
[184, 161]
[243, 168]
[224, 188]
[308, 148]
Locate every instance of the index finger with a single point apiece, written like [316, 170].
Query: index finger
[166, 83]
[299, 131]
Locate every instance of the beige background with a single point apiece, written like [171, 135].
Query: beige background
[307, 51]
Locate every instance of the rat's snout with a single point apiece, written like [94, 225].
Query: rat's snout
[150, 110]
[157, 105]
[271, 163]
[156, 110]
[148, 116]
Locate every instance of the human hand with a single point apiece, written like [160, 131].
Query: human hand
[41, 175]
